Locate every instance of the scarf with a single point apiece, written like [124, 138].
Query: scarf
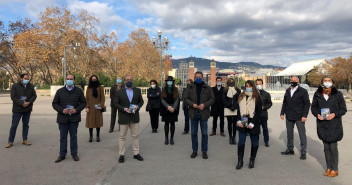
[95, 85]
[247, 105]
[327, 91]
[169, 89]
[231, 92]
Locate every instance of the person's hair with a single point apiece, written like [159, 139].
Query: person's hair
[326, 76]
[174, 91]
[129, 76]
[74, 77]
[255, 91]
[227, 85]
[198, 72]
[295, 77]
[218, 78]
[90, 85]
[260, 80]
[156, 83]
[190, 80]
[23, 75]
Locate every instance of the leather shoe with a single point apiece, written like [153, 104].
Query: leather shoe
[333, 173]
[184, 133]
[110, 131]
[9, 145]
[267, 144]
[75, 157]
[327, 172]
[205, 156]
[223, 134]
[212, 134]
[194, 155]
[166, 141]
[59, 159]
[303, 157]
[26, 142]
[90, 139]
[138, 157]
[98, 139]
[172, 142]
[121, 159]
[288, 152]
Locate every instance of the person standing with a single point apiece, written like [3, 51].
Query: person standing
[69, 102]
[95, 98]
[231, 94]
[170, 108]
[199, 98]
[185, 107]
[217, 109]
[264, 115]
[128, 101]
[249, 112]
[116, 87]
[23, 96]
[296, 107]
[153, 105]
[328, 107]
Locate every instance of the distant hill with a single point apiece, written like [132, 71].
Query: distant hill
[204, 64]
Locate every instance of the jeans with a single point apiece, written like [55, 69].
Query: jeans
[264, 124]
[302, 135]
[16, 117]
[243, 136]
[215, 125]
[185, 111]
[66, 128]
[154, 118]
[204, 131]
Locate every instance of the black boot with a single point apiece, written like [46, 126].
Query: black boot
[240, 153]
[230, 138]
[90, 135]
[254, 151]
[172, 141]
[166, 141]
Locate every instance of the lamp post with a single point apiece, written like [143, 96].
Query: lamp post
[64, 61]
[161, 44]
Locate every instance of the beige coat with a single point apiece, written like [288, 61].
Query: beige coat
[94, 117]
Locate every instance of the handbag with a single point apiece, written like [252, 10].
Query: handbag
[148, 107]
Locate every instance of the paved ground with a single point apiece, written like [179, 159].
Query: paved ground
[163, 164]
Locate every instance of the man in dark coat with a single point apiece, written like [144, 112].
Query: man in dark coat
[199, 98]
[69, 102]
[217, 109]
[128, 101]
[264, 115]
[23, 96]
[185, 107]
[296, 107]
[113, 91]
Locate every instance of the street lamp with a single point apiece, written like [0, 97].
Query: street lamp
[64, 61]
[161, 44]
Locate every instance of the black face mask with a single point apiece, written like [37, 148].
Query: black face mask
[232, 84]
[294, 84]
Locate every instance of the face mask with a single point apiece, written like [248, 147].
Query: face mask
[259, 87]
[232, 84]
[199, 80]
[294, 84]
[327, 84]
[129, 84]
[153, 86]
[69, 82]
[118, 81]
[25, 82]
[219, 83]
[169, 83]
[249, 89]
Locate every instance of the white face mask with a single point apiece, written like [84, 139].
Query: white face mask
[259, 87]
[219, 83]
[327, 84]
[153, 86]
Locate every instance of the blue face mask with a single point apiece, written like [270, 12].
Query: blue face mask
[118, 81]
[69, 82]
[249, 89]
[169, 83]
[199, 80]
[25, 82]
[129, 84]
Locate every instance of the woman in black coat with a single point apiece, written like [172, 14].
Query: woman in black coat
[250, 107]
[153, 105]
[328, 107]
[231, 94]
[170, 108]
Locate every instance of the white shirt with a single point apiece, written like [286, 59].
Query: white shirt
[294, 90]
[326, 97]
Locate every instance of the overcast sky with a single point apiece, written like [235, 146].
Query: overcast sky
[277, 32]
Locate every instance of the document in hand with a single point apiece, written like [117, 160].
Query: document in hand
[23, 98]
[325, 113]
[244, 121]
[69, 107]
[133, 108]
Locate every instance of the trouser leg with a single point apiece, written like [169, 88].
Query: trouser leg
[16, 117]
[289, 128]
[302, 135]
[25, 120]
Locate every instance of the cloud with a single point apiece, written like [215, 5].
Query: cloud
[276, 31]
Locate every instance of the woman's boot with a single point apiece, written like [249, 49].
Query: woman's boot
[240, 153]
[254, 150]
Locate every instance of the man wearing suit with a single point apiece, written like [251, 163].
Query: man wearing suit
[217, 109]
[185, 107]
[113, 91]
[296, 107]
[129, 118]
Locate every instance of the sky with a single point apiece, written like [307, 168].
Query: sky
[275, 32]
